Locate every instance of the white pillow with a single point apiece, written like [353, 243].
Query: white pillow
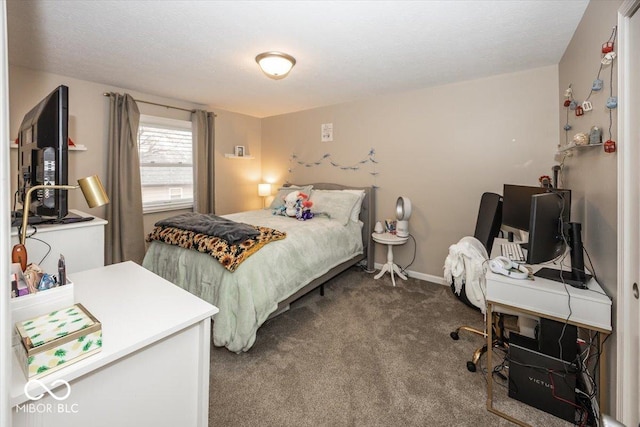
[278, 199]
[355, 212]
[339, 205]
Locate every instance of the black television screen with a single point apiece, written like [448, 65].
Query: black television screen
[516, 205]
[550, 214]
[42, 154]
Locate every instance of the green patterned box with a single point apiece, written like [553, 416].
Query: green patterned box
[57, 339]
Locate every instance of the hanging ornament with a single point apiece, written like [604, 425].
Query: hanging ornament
[567, 102]
[579, 111]
[587, 106]
[608, 58]
[612, 102]
[294, 159]
[567, 127]
[609, 146]
[568, 93]
[573, 104]
[597, 85]
[607, 47]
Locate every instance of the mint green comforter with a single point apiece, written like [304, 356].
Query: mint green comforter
[249, 295]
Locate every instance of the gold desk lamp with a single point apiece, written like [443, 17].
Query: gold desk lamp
[93, 192]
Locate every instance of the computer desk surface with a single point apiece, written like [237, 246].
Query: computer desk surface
[589, 308]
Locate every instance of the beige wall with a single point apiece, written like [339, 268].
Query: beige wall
[442, 147]
[237, 179]
[591, 174]
[236, 188]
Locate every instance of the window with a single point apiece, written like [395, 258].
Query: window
[165, 147]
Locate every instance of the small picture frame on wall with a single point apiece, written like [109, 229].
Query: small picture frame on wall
[239, 151]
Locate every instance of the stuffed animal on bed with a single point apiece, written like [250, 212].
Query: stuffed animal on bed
[304, 212]
[293, 202]
[296, 205]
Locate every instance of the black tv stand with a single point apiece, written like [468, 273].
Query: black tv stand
[562, 276]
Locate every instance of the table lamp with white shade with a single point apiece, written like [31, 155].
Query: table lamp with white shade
[264, 191]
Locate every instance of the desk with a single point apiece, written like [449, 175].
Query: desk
[590, 310]
[390, 240]
[153, 369]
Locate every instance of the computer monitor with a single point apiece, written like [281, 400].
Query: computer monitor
[516, 205]
[42, 154]
[549, 233]
[549, 213]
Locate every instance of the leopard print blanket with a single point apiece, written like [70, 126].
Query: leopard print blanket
[230, 256]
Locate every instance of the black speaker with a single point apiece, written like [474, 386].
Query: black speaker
[551, 343]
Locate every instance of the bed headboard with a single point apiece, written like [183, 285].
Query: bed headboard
[367, 215]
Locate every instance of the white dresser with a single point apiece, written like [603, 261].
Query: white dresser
[153, 369]
[81, 243]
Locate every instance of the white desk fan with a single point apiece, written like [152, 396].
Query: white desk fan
[403, 212]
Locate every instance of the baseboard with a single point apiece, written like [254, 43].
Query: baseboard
[420, 276]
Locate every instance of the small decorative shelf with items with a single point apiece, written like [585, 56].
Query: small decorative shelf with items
[72, 146]
[233, 156]
[578, 147]
[239, 152]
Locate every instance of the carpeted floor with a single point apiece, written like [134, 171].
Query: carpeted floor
[365, 354]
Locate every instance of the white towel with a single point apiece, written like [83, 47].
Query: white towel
[466, 263]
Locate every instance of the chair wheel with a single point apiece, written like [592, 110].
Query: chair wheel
[455, 336]
[471, 366]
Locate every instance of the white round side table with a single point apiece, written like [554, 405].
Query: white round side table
[390, 240]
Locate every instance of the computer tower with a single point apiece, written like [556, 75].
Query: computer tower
[544, 382]
[551, 339]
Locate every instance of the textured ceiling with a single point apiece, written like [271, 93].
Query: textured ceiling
[203, 51]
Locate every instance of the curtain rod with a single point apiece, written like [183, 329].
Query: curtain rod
[161, 105]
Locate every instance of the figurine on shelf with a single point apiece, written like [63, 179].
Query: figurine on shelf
[580, 139]
[545, 181]
[595, 135]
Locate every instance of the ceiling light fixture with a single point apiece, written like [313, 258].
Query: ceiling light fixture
[276, 65]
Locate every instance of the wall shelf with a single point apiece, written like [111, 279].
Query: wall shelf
[76, 147]
[233, 156]
[578, 147]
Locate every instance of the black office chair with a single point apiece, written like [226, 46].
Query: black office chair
[487, 229]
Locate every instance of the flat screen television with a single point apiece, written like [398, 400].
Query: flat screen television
[43, 154]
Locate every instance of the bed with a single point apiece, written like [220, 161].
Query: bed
[278, 273]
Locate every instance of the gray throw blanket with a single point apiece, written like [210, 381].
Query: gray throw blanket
[212, 225]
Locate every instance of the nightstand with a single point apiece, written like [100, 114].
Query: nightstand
[390, 240]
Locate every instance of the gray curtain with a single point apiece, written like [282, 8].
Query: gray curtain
[203, 161]
[125, 230]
